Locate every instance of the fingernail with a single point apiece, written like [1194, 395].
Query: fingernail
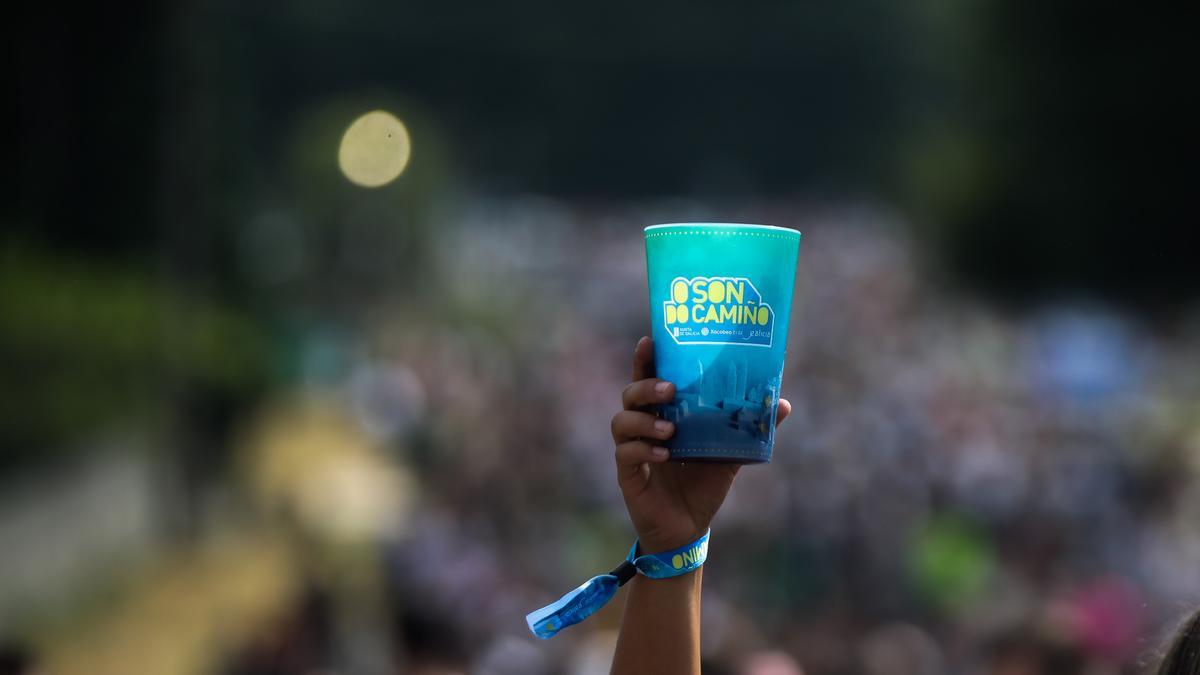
[662, 426]
[662, 387]
[660, 453]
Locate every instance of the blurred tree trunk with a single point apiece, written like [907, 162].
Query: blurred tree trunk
[187, 214]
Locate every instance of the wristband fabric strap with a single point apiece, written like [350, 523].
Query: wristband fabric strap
[582, 602]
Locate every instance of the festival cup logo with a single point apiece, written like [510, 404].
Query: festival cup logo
[720, 297]
[718, 311]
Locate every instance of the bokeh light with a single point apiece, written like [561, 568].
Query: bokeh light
[374, 150]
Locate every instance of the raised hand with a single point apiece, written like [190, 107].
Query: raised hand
[670, 503]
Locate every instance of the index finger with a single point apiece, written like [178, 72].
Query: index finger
[643, 359]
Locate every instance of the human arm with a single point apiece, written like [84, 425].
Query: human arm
[670, 504]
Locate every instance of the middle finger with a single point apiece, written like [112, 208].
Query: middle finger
[629, 425]
[646, 392]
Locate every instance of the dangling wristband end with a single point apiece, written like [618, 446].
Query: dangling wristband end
[582, 602]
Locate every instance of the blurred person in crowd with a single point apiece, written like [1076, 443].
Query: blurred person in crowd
[16, 659]
[428, 642]
[1183, 656]
[770, 663]
[1024, 652]
[296, 643]
[670, 504]
[900, 649]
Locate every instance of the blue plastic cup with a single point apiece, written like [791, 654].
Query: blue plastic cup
[720, 299]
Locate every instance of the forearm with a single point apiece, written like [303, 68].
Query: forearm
[660, 632]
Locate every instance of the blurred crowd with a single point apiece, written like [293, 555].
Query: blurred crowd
[960, 488]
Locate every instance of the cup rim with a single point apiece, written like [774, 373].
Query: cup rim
[753, 226]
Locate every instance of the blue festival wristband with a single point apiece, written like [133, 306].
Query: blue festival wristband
[582, 602]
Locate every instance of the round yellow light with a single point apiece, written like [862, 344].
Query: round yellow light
[375, 149]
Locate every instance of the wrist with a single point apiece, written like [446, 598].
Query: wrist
[673, 562]
[683, 583]
[680, 562]
[657, 542]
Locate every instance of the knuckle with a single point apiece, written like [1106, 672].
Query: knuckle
[639, 392]
[626, 452]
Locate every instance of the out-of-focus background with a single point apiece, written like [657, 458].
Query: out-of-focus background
[313, 316]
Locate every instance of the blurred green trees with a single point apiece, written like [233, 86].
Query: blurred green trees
[90, 346]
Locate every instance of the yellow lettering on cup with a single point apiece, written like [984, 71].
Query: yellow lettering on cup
[672, 314]
[763, 315]
[677, 561]
[739, 295]
[716, 292]
[680, 291]
[699, 291]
